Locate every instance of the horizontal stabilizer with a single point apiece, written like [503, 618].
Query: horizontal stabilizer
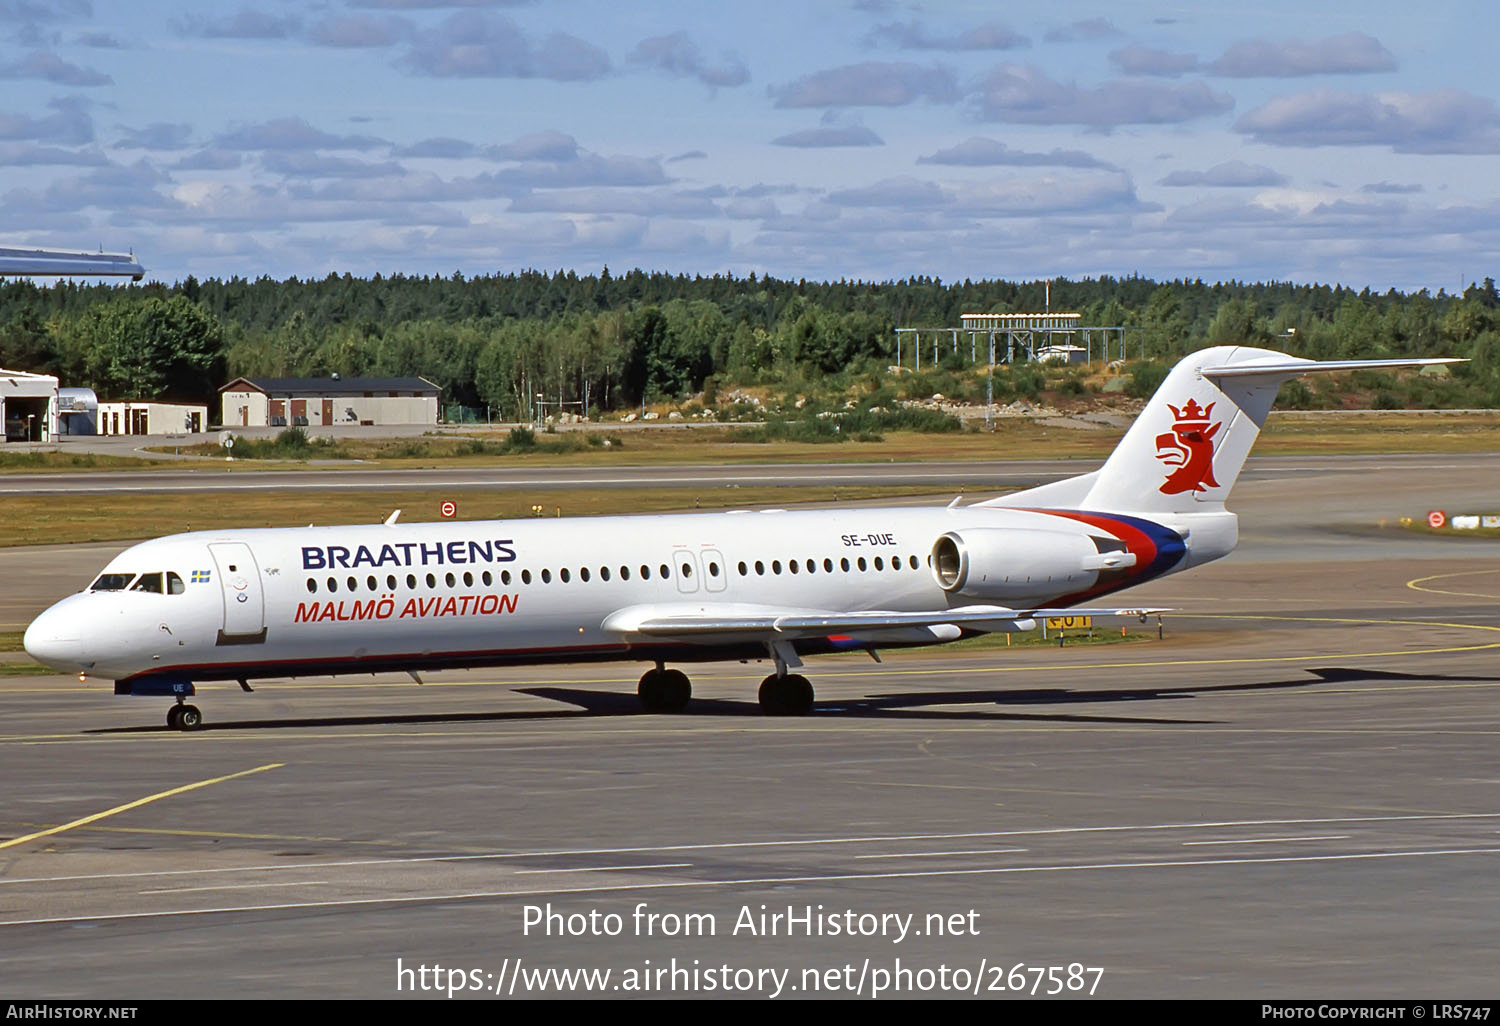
[1279, 368]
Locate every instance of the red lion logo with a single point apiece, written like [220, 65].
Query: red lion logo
[1189, 447]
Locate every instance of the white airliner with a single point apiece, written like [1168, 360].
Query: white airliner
[290, 602]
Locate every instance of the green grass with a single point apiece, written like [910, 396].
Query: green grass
[44, 460]
[28, 669]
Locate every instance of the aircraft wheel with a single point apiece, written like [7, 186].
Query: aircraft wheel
[677, 691]
[172, 715]
[188, 717]
[665, 690]
[791, 695]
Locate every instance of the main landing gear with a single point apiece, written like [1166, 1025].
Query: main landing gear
[184, 717]
[668, 691]
[664, 690]
[789, 694]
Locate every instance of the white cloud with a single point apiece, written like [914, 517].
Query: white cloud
[871, 84]
[1143, 60]
[52, 68]
[474, 44]
[1443, 121]
[1230, 174]
[1351, 54]
[982, 152]
[678, 54]
[291, 134]
[1024, 93]
[913, 35]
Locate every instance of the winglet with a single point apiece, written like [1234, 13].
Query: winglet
[390, 521]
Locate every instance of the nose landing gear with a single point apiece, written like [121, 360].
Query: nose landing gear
[184, 717]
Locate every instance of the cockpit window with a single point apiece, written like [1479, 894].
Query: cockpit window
[174, 584]
[149, 582]
[112, 582]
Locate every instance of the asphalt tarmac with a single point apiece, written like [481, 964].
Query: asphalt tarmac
[1293, 794]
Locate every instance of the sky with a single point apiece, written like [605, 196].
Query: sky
[1343, 143]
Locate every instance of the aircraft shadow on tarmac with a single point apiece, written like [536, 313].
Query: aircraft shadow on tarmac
[920, 705]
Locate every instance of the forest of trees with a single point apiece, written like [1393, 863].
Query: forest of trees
[495, 340]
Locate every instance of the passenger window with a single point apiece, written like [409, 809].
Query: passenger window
[411, 581]
[811, 566]
[372, 583]
[624, 573]
[449, 579]
[487, 579]
[743, 569]
[353, 584]
[564, 576]
[861, 564]
[525, 576]
[583, 574]
[175, 585]
[791, 565]
[879, 563]
[713, 569]
[333, 584]
[687, 570]
[149, 582]
[828, 566]
[468, 579]
[912, 561]
[312, 586]
[390, 582]
[505, 577]
[666, 571]
[844, 565]
[645, 572]
[775, 566]
[760, 568]
[431, 581]
[604, 573]
[546, 576]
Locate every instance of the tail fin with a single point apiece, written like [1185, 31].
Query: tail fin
[1186, 449]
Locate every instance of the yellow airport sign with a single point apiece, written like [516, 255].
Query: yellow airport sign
[1070, 623]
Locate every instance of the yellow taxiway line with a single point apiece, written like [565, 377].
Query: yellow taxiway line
[86, 820]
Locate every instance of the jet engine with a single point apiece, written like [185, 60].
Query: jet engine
[1019, 565]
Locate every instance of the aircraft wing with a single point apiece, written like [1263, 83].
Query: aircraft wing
[705, 621]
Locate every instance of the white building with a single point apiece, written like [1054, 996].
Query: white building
[28, 406]
[150, 418]
[326, 402]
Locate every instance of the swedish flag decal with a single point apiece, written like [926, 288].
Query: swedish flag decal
[201, 576]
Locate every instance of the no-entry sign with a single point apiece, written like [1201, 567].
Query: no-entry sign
[1437, 518]
[449, 510]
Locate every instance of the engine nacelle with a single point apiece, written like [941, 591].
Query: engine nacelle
[1016, 564]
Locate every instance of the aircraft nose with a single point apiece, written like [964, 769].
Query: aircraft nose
[55, 638]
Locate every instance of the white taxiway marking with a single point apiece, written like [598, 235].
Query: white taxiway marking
[239, 887]
[1270, 840]
[794, 842]
[940, 854]
[914, 874]
[604, 869]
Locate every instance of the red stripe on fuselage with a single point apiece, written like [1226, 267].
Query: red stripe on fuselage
[1137, 542]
